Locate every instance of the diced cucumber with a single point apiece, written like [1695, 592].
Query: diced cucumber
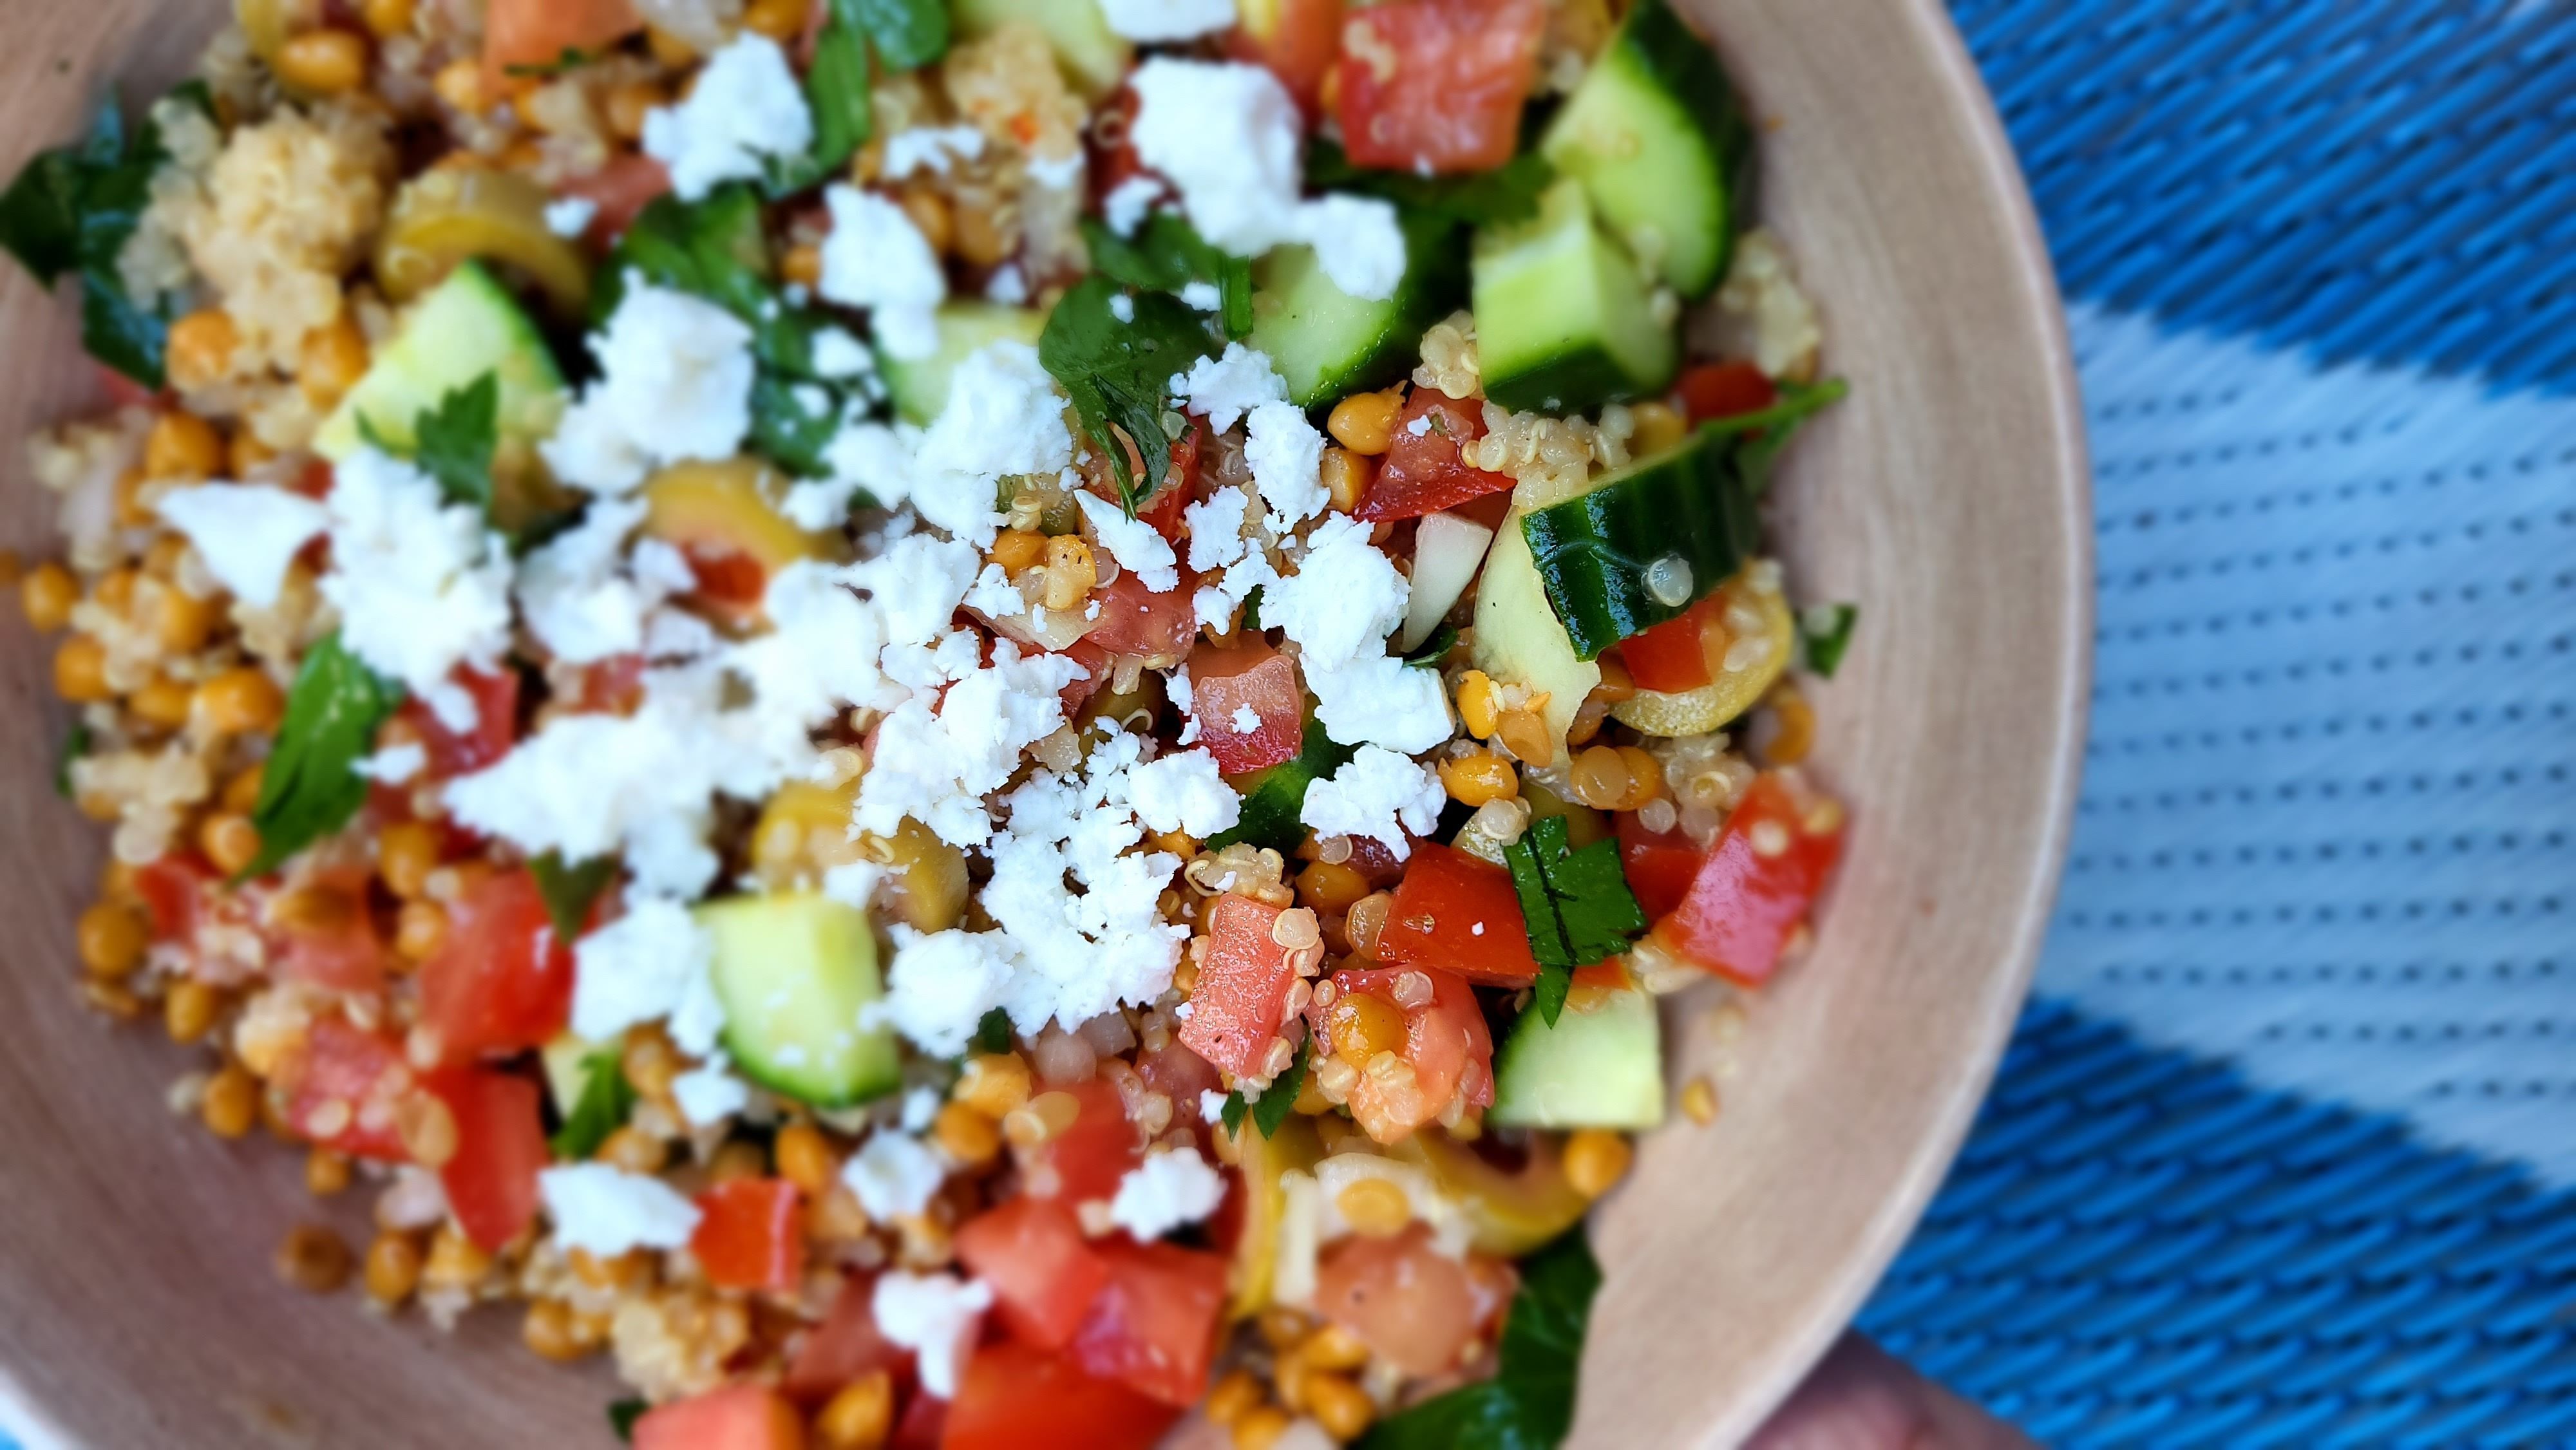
[920, 389]
[1094, 57]
[1518, 640]
[793, 971]
[1660, 141]
[1325, 343]
[1645, 543]
[1274, 800]
[467, 326]
[1564, 320]
[1598, 1069]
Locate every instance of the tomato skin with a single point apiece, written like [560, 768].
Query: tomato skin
[1095, 666]
[846, 1345]
[173, 889]
[1155, 1324]
[500, 982]
[346, 1075]
[1086, 1161]
[496, 724]
[1136, 621]
[1674, 655]
[1744, 905]
[621, 190]
[1114, 161]
[1659, 868]
[1451, 100]
[1242, 992]
[1401, 1297]
[1446, 1044]
[500, 1148]
[737, 1417]
[1043, 1271]
[1304, 39]
[538, 32]
[1422, 473]
[1255, 676]
[338, 949]
[751, 1234]
[1013, 1396]
[1724, 390]
[1457, 914]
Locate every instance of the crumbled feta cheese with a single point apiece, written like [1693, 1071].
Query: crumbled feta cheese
[1357, 241]
[1228, 136]
[1345, 597]
[877, 259]
[930, 148]
[1123, 307]
[247, 533]
[638, 968]
[574, 597]
[571, 216]
[1378, 794]
[916, 584]
[746, 109]
[1225, 388]
[708, 1095]
[863, 455]
[839, 355]
[1381, 700]
[393, 765]
[1202, 295]
[894, 1175]
[1245, 720]
[934, 1316]
[1133, 543]
[421, 585]
[1212, 607]
[1164, 1192]
[936, 764]
[1125, 206]
[939, 987]
[1008, 285]
[675, 384]
[1004, 417]
[1058, 173]
[1184, 792]
[1216, 528]
[1162, 20]
[921, 1108]
[1286, 456]
[606, 1211]
[1211, 1105]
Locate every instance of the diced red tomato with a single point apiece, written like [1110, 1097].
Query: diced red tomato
[737, 1417]
[1043, 1271]
[728, 579]
[491, 1181]
[173, 888]
[344, 1085]
[1724, 390]
[1659, 868]
[846, 1345]
[750, 1234]
[1674, 655]
[1179, 1074]
[1760, 881]
[1180, 485]
[921, 1426]
[1421, 473]
[1078, 691]
[539, 32]
[1114, 161]
[621, 190]
[1086, 1161]
[495, 729]
[1155, 1324]
[1295, 40]
[1436, 86]
[613, 686]
[1242, 992]
[1225, 682]
[1446, 1044]
[125, 392]
[1458, 914]
[1370, 857]
[500, 981]
[1014, 1395]
[1136, 621]
[1401, 1297]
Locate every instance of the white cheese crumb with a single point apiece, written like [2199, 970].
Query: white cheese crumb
[934, 1316]
[877, 259]
[1211, 1103]
[894, 1175]
[1216, 528]
[639, 968]
[709, 1095]
[1344, 599]
[1123, 307]
[1184, 792]
[930, 148]
[1164, 20]
[393, 765]
[1357, 241]
[1004, 418]
[1246, 720]
[571, 216]
[1008, 285]
[746, 109]
[1202, 295]
[1228, 136]
[1133, 543]
[1164, 1192]
[1125, 206]
[1225, 388]
[573, 594]
[606, 1211]
[674, 385]
[422, 586]
[1286, 456]
[1378, 794]
[940, 986]
[921, 1108]
[839, 355]
[247, 533]
[1381, 700]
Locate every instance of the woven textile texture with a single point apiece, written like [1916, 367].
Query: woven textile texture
[2281, 1155]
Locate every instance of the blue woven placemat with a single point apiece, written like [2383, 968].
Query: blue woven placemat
[2280, 1155]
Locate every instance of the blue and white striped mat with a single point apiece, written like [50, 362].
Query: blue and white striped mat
[2281, 1156]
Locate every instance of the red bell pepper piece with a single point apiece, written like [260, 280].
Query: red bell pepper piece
[1458, 914]
[1754, 892]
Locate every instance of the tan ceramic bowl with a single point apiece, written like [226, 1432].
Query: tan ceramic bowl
[137, 1302]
